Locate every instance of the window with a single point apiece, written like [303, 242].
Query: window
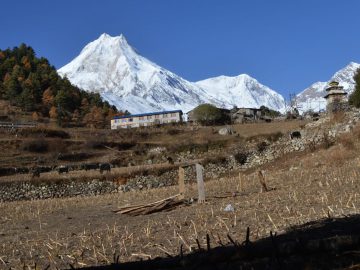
[148, 117]
[123, 120]
[131, 120]
[157, 116]
[141, 118]
[173, 114]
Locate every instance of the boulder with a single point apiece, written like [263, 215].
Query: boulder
[226, 131]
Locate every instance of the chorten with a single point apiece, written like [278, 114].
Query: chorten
[335, 97]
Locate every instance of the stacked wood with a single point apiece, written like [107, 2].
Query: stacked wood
[145, 209]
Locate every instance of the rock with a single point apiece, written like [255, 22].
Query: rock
[229, 208]
[226, 131]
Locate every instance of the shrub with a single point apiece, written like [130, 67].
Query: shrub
[273, 137]
[220, 159]
[173, 131]
[74, 156]
[37, 146]
[48, 133]
[354, 98]
[347, 141]
[207, 114]
[261, 146]
[241, 157]
[327, 141]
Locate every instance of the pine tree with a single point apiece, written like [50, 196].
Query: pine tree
[354, 98]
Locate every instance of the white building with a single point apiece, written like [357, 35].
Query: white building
[146, 119]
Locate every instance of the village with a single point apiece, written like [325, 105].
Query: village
[152, 171]
[153, 135]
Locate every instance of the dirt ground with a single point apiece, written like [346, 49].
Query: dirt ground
[84, 231]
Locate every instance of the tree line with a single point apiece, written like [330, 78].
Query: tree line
[34, 85]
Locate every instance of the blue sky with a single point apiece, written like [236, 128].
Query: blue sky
[286, 45]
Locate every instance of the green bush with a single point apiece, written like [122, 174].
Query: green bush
[207, 114]
[37, 146]
[354, 98]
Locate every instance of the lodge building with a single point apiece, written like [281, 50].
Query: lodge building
[146, 119]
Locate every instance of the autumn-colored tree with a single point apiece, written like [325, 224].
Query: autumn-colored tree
[35, 116]
[26, 62]
[48, 98]
[75, 116]
[53, 112]
[85, 105]
[32, 84]
[94, 118]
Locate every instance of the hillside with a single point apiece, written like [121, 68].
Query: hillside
[33, 85]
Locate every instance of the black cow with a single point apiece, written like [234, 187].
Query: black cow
[105, 167]
[295, 135]
[63, 169]
[90, 166]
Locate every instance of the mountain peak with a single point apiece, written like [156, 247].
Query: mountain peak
[111, 67]
[107, 38]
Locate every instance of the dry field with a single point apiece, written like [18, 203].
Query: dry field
[83, 231]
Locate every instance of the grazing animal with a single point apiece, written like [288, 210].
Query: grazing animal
[90, 166]
[63, 169]
[105, 167]
[295, 135]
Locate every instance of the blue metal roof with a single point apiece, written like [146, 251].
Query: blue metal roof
[145, 114]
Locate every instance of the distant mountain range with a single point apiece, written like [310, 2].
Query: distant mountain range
[111, 67]
[124, 78]
[313, 96]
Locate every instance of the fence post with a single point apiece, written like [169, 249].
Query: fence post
[181, 183]
[200, 183]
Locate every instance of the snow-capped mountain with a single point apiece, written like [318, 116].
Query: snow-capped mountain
[111, 67]
[313, 96]
[242, 91]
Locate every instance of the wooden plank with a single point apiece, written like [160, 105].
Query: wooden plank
[200, 183]
[181, 183]
[126, 209]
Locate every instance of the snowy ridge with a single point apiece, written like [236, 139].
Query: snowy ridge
[111, 67]
[242, 91]
[313, 96]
